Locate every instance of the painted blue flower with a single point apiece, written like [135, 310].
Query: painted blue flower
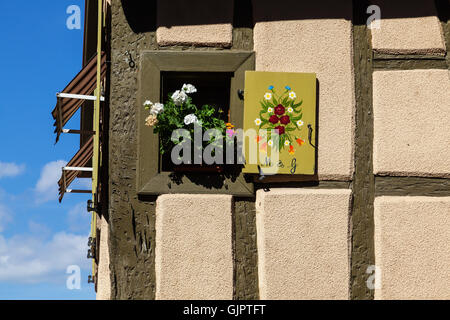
[288, 88]
[271, 88]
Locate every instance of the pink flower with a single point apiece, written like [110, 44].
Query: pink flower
[230, 133]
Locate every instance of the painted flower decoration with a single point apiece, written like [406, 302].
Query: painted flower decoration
[280, 110]
[281, 130]
[283, 113]
[291, 150]
[292, 95]
[285, 120]
[274, 119]
[190, 119]
[300, 142]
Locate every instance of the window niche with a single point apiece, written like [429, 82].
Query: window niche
[218, 76]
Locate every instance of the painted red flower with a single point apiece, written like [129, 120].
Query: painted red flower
[280, 110]
[280, 129]
[285, 120]
[291, 150]
[300, 142]
[274, 119]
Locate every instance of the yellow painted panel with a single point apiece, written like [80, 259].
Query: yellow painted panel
[283, 103]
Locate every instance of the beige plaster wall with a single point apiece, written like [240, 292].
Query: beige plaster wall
[408, 27]
[411, 123]
[411, 247]
[194, 257]
[302, 41]
[303, 243]
[198, 23]
[104, 280]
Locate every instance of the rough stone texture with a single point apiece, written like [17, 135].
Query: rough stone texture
[362, 254]
[411, 121]
[408, 27]
[104, 273]
[411, 247]
[303, 243]
[412, 186]
[195, 23]
[245, 250]
[323, 46]
[194, 256]
[132, 230]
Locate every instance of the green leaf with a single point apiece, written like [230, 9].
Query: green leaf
[274, 101]
[297, 105]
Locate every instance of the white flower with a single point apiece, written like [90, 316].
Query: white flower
[179, 97]
[292, 95]
[299, 123]
[157, 108]
[270, 110]
[268, 96]
[258, 122]
[286, 143]
[148, 103]
[189, 88]
[190, 119]
[270, 143]
[290, 110]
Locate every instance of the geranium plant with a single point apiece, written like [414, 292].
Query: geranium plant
[179, 112]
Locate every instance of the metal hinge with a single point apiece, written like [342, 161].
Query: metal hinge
[92, 243]
[91, 207]
[91, 279]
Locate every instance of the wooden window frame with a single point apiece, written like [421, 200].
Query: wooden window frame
[150, 180]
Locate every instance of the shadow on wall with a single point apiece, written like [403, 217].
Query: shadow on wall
[146, 16]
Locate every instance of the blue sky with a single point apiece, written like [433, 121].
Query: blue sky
[39, 238]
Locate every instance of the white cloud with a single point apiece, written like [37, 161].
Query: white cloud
[28, 259]
[38, 229]
[10, 169]
[79, 219]
[5, 217]
[47, 185]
